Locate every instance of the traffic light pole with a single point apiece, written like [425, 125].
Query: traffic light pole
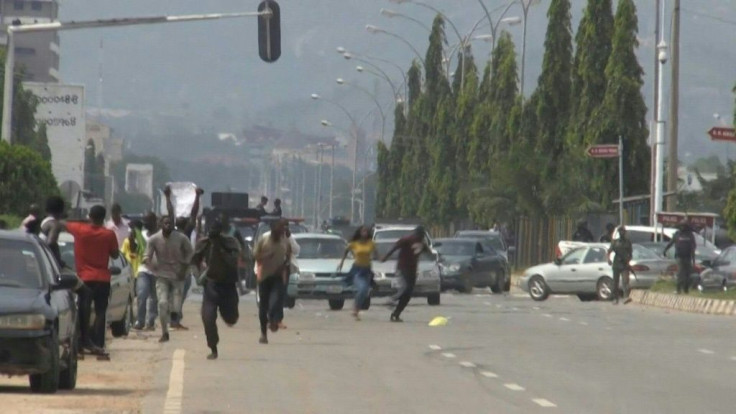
[91, 24]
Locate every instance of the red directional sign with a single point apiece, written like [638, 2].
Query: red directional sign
[603, 151]
[722, 134]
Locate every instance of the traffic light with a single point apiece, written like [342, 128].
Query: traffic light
[269, 31]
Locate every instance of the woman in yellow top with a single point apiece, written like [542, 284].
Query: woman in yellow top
[134, 246]
[363, 250]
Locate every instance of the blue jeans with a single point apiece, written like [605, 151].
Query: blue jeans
[361, 277]
[147, 299]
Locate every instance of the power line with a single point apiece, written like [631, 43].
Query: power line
[709, 16]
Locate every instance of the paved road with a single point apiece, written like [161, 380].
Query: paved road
[499, 354]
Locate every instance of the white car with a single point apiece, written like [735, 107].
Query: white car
[120, 307]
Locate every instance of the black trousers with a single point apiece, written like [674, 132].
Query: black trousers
[99, 294]
[222, 296]
[271, 307]
[684, 270]
[620, 274]
[409, 281]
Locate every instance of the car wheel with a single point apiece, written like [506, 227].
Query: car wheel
[498, 286]
[586, 297]
[367, 303]
[467, 285]
[336, 304]
[538, 288]
[68, 376]
[48, 382]
[289, 302]
[122, 327]
[433, 299]
[604, 289]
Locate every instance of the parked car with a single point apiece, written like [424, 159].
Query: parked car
[643, 234]
[584, 271]
[703, 254]
[493, 237]
[428, 274]
[395, 232]
[318, 278]
[719, 273]
[466, 263]
[122, 286]
[295, 226]
[38, 315]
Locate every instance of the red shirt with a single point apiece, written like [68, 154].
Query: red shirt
[92, 248]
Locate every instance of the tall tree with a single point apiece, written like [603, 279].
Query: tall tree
[553, 90]
[504, 93]
[409, 192]
[389, 202]
[479, 144]
[464, 112]
[384, 174]
[593, 48]
[623, 112]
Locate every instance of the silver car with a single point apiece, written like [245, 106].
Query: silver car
[584, 271]
[122, 285]
[387, 284]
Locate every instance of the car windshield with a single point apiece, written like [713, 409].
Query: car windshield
[450, 248]
[20, 265]
[493, 239]
[392, 234]
[383, 247]
[643, 253]
[320, 248]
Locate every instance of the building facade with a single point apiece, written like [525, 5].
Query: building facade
[37, 54]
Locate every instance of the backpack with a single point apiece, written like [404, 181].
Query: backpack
[684, 242]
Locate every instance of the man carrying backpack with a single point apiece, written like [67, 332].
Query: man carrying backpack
[220, 252]
[684, 241]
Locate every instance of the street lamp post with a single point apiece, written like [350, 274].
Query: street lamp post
[374, 30]
[341, 81]
[391, 14]
[434, 9]
[383, 76]
[12, 30]
[659, 145]
[366, 58]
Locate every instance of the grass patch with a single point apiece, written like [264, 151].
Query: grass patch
[670, 286]
[12, 222]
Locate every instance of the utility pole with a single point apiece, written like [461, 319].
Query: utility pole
[674, 108]
[653, 161]
[332, 179]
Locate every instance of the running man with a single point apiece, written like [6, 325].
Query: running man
[271, 254]
[409, 247]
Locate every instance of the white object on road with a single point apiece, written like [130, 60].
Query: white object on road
[514, 387]
[489, 374]
[435, 347]
[467, 364]
[544, 403]
[449, 355]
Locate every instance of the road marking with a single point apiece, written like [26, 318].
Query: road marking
[448, 355]
[514, 309]
[733, 358]
[584, 323]
[499, 306]
[435, 347]
[488, 374]
[547, 315]
[514, 387]
[564, 319]
[487, 303]
[706, 351]
[172, 405]
[536, 307]
[544, 403]
[467, 364]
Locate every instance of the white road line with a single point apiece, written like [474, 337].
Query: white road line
[544, 403]
[499, 306]
[583, 323]
[514, 387]
[514, 309]
[172, 405]
[564, 319]
[547, 315]
[536, 307]
[435, 347]
[448, 355]
[706, 351]
[487, 303]
[467, 364]
[488, 374]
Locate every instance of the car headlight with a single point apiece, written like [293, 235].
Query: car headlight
[27, 321]
[305, 276]
[452, 268]
[379, 275]
[432, 274]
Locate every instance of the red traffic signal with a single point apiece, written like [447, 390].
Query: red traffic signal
[269, 31]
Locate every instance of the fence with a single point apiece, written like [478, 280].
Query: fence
[536, 239]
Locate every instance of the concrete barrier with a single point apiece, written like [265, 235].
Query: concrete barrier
[684, 303]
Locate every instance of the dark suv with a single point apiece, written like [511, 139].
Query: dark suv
[38, 315]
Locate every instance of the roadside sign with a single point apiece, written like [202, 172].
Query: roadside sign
[722, 134]
[603, 151]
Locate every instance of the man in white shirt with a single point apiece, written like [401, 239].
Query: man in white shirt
[118, 224]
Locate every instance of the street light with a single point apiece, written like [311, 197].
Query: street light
[659, 145]
[434, 9]
[341, 81]
[12, 30]
[391, 14]
[381, 75]
[375, 30]
[366, 58]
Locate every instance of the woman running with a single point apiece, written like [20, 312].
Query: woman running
[360, 274]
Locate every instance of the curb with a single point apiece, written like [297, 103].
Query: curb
[684, 303]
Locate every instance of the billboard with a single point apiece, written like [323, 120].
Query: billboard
[139, 179]
[61, 108]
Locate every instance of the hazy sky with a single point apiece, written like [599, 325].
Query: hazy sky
[212, 70]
